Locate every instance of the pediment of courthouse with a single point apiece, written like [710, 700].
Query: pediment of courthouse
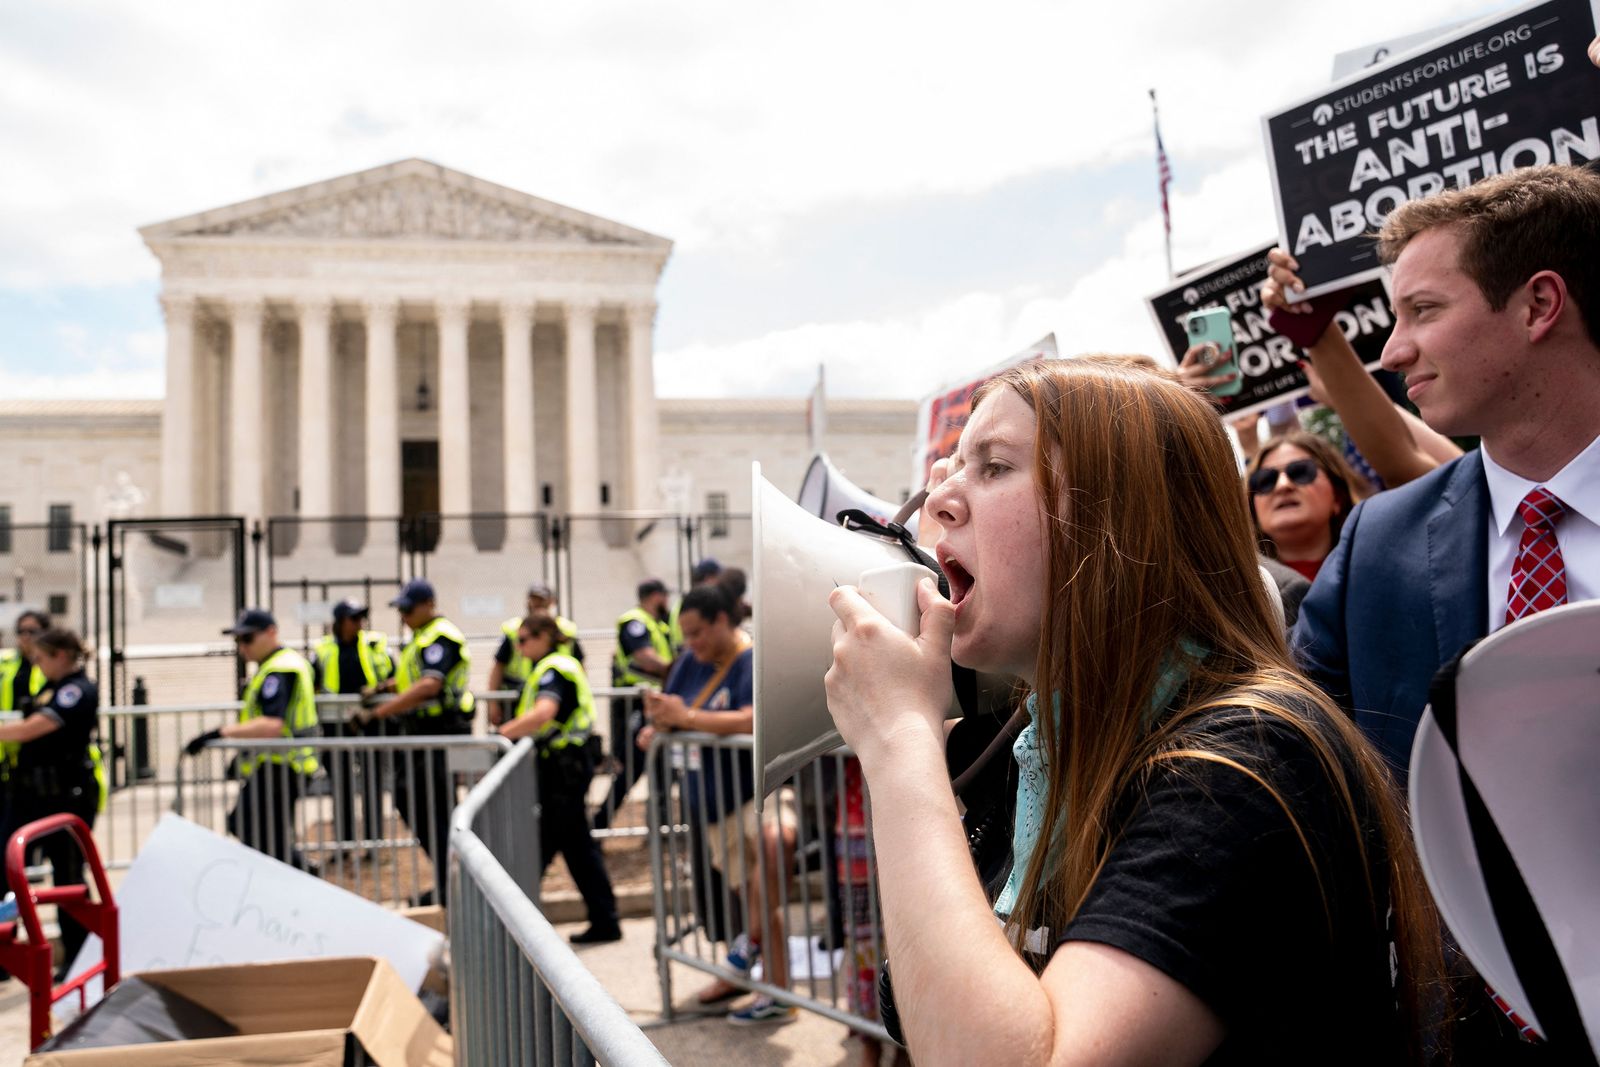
[402, 215]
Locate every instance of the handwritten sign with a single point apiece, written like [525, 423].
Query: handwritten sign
[196, 899]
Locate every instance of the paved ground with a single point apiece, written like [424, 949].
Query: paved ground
[628, 970]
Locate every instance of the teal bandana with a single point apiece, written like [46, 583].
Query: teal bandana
[1033, 771]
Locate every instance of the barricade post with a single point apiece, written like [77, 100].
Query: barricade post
[519, 994]
[825, 887]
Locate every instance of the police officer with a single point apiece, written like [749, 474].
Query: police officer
[58, 767]
[279, 701]
[511, 668]
[556, 709]
[20, 681]
[643, 657]
[348, 661]
[430, 683]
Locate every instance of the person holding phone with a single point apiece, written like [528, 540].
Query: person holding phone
[1210, 864]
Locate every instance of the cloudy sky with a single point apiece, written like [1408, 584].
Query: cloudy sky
[902, 192]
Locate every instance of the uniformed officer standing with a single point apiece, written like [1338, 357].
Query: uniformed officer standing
[58, 766]
[511, 668]
[20, 681]
[557, 710]
[431, 692]
[643, 657]
[348, 661]
[279, 701]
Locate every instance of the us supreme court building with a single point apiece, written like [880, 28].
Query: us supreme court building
[411, 340]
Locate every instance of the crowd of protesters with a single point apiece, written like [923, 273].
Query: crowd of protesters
[1210, 860]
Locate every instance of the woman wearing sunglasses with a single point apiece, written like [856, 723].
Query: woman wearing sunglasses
[1301, 489]
[1210, 865]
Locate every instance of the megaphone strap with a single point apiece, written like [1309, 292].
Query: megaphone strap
[963, 679]
[1527, 940]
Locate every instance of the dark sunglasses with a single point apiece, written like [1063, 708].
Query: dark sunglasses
[245, 639]
[29, 631]
[1300, 472]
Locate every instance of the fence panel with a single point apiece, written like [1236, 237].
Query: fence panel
[45, 566]
[519, 994]
[730, 888]
[366, 819]
[311, 564]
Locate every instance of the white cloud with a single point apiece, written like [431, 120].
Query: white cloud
[710, 122]
[910, 355]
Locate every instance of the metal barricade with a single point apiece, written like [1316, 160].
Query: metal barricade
[519, 994]
[370, 814]
[806, 878]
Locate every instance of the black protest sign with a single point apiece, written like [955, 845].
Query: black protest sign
[1268, 361]
[1515, 90]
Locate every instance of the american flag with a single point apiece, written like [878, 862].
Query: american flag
[1164, 169]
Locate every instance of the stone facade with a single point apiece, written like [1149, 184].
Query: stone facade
[453, 309]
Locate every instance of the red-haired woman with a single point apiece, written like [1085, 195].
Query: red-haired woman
[1209, 864]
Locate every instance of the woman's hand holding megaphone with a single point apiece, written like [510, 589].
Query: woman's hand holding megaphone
[886, 688]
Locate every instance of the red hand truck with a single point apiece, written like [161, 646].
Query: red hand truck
[30, 960]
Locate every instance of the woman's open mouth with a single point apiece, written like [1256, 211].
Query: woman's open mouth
[960, 581]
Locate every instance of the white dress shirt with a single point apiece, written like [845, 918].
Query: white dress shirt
[1578, 531]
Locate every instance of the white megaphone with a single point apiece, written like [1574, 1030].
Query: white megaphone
[798, 560]
[824, 492]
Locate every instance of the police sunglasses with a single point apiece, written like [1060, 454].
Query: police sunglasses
[1300, 472]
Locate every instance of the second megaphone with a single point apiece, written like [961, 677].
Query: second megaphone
[799, 560]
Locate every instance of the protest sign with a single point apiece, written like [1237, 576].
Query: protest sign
[1371, 55]
[195, 899]
[941, 416]
[1268, 360]
[1513, 90]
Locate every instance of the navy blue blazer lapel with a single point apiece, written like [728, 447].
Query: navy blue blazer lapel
[1458, 557]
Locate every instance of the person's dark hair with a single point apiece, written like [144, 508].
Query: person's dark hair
[1512, 227]
[540, 624]
[1348, 486]
[37, 616]
[734, 585]
[61, 639]
[708, 601]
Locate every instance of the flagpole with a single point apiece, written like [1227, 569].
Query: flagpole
[1164, 180]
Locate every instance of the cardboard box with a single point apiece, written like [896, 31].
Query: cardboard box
[293, 1012]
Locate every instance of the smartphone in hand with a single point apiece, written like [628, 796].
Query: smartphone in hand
[1215, 325]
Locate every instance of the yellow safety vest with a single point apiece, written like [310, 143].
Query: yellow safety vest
[518, 668]
[11, 663]
[300, 718]
[675, 626]
[621, 668]
[455, 696]
[556, 735]
[372, 649]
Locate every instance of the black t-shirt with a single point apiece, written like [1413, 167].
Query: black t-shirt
[276, 689]
[632, 636]
[1209, 882]
[440, 658]
[503, 654]
[74, 705]
[563, 690]
[351, 677]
